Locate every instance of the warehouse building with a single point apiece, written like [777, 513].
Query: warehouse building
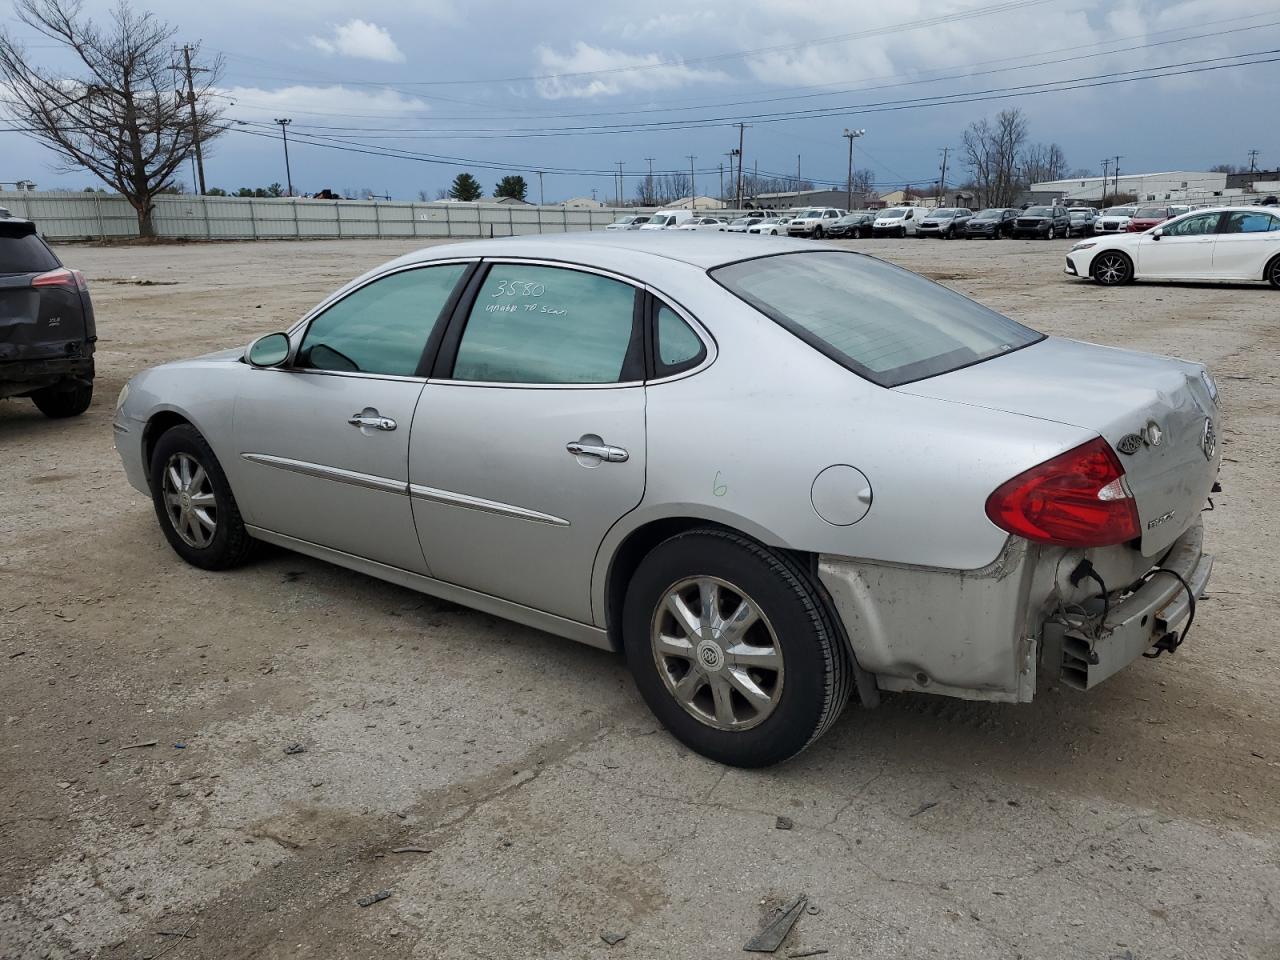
[1176, 186]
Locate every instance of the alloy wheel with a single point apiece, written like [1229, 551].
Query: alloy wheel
[1111, 269]
[189, 500]
[716, 653]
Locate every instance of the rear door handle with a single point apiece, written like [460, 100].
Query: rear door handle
[372, 419]
[601, 451]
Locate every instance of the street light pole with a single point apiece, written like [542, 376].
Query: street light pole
[851, 135]
[693, 185]
[542, 200]
[284, 135]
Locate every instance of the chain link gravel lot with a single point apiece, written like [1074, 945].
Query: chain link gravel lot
[537, 801]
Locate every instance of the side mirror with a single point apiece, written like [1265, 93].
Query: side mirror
[1157, 233]
[269, 351]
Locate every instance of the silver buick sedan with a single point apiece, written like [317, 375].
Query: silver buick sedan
[773, 478]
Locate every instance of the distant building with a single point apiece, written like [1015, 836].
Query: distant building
[1176, 186]
[899, 198]
[582, 203]
[696, 203]
[508, 200]
[791, 200]
[1257, 181]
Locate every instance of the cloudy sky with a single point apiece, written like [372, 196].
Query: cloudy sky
[572, 88]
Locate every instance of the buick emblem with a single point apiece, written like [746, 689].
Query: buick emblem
[1208, 439]
[1153, 433]
[1130, 444]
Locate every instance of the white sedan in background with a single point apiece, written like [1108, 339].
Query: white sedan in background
[1228, 243]
[772, 227]
[705, 223]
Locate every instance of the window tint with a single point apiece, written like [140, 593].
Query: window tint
[1192, 226]
[678, 347]
[547, 325]
[1250, 223]
[885, 323]
[24, 254]
[383, 326]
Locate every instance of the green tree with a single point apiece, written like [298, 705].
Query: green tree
[466, 187]
[217, 192]
[275, 190]
[511, 186]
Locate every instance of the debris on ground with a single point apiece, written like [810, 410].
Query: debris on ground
[145, 743]
[775, 931]
[613, 938]
[927, 805]
[294, 749]
[784, 823]
[807, 953]
[411, 850]
[373, 898]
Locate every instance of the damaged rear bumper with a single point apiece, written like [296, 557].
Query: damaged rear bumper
[1158, 607]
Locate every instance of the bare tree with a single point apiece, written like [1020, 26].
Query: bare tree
[991, 153]
[120, 118]
[647, 191]
[1042, 163]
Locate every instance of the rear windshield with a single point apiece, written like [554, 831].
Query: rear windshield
[1151, 213]
[882, 322]
[24, 253]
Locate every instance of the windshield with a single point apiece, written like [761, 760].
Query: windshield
[894, 213]
[743, 222]
[882, 322]
[942, 213]
[1038, 212]
[1152, 213]
[810, 214]
[991, 213]
[1078, 214]
[1118, 212]
[644, 219]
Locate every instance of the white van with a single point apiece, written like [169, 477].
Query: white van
[898, 222]
[667, 220]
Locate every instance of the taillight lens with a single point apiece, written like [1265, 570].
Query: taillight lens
[62, 277]
[1077, 499]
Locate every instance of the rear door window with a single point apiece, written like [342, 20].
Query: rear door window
[882, 322]
[1250, 223]
[534, 324]
[21, 251]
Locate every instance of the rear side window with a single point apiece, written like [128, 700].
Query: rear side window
[383, 327]
[1250, 223]
[678, 348]
[21, 251]
[534, 324]
[882, 322]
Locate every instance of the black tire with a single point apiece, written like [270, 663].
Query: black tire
[1273, 272]
[817, 232]
[818, 673]
[230, 544]
[1052, 234]
[1111, 268]
[63, 399]
[902, 233]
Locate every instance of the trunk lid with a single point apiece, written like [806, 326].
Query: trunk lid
[1119, 394]
[36, 323]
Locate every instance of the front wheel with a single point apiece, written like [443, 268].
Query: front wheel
[1112, 268]
[733, 649]
[64, 399]
[1051, 234]
[194, 503]
[817, 233]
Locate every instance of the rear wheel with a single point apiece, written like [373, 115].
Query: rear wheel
[1273, 272]
[1111, 268]
[64, 399]
[194, 503]
[733, 649]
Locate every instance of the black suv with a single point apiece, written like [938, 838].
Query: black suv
[992, 223]
[1044, 223]
[856, 223]
[47, 331]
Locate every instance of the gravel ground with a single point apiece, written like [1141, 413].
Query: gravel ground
[540, 803]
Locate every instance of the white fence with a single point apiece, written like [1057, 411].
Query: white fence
[94, 216]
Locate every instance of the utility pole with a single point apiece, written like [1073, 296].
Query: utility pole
[851, 135]
[650, 192]
[1253, 161]
[542, 200]
[942, 178]
[693, 186]
[284, 134]
[722, 182]
[1116, 171]
[797, 176]
[741, 128]
[618, 192]
[1106, 166]
[195, 123]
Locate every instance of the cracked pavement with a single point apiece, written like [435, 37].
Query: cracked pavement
[536, 802]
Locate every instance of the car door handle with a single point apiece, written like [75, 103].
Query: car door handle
[602, 451]
[373, 420]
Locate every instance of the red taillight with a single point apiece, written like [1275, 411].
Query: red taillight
[62, 277]
[1077, 499]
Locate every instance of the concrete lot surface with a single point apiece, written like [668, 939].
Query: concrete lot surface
[537, 802]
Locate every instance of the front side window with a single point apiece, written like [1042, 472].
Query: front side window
[533, 324]
[381, 328]
[885, 323]
[1250, 223]
[1192, 226]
